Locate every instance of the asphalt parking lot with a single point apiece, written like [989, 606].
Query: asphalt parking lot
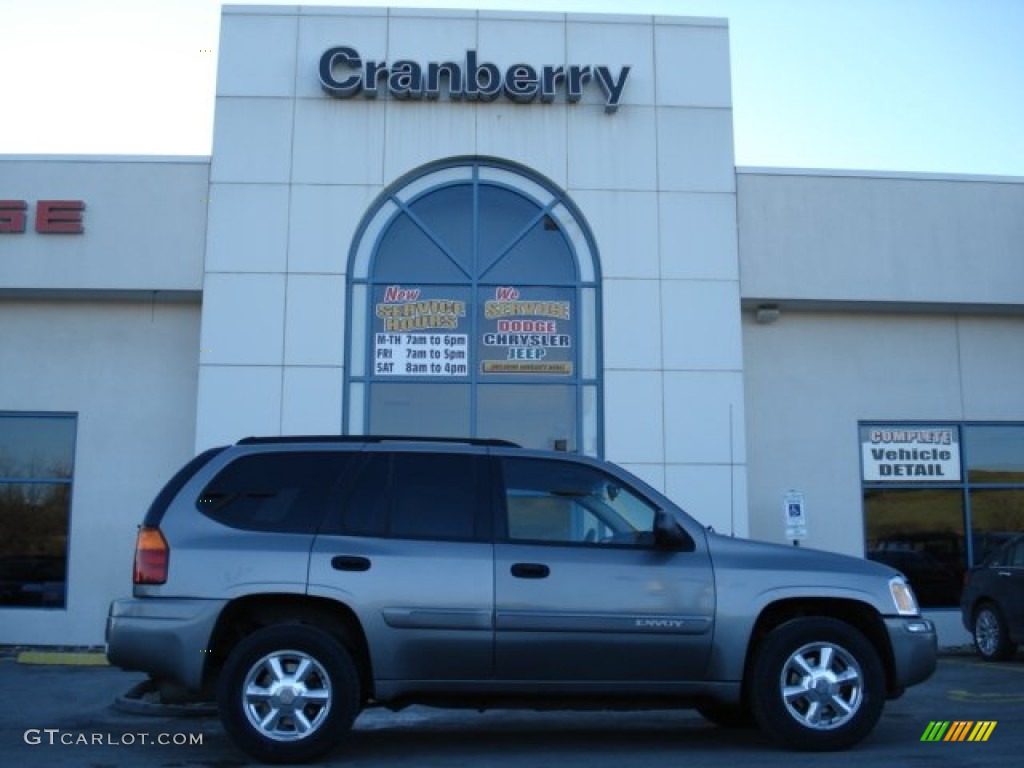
[53, 715]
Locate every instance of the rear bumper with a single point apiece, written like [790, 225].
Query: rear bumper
[167, 638]
[915, 650]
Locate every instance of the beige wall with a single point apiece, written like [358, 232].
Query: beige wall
[811, 376]
[129, 372]
[838, 236]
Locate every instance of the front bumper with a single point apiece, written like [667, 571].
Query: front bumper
[167, 638]
[915, 650]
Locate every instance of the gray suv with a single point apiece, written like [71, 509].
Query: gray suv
[298, 580]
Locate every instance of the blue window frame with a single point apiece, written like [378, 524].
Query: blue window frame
[474, 309]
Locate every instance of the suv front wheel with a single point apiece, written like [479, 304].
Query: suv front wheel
[818, 684]
[288, 693]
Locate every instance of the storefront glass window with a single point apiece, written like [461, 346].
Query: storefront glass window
[476, 320]
[36, 469]
[995, 454]
[927, 485]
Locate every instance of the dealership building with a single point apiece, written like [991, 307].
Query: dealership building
[526, 226]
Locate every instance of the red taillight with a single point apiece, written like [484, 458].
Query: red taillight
[151, 557]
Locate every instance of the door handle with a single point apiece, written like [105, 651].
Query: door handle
[350, 563]
[530, 570]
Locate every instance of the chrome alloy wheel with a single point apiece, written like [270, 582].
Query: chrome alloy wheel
[286, 695]
[822, 686]
[986, 632]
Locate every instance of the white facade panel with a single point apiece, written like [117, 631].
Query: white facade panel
[613, 153]
[432, 36]
[698, 236]
[632, 315]
[249, 232]
[695, 150]
[339, 142]
[704, 418]
[700, 322]
[535, 41]
[635, 435]
[315, 320]
[692, 66]
[626, 226]
[257, 55]
[237, 401]
[311, 401]
[252, 140]
[243, 319]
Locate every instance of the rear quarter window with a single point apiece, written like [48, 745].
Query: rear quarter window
[275, 492]
[163, 499]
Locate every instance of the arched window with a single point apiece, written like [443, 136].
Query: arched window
[474, 310]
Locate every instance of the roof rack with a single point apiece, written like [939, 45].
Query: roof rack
[487, 441]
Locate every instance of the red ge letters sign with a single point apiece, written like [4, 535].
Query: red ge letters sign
[52, 216]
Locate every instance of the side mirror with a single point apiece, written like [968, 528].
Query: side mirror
[668, 534]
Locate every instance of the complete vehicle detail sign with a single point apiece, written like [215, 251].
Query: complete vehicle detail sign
[910, 454]
[344, 74]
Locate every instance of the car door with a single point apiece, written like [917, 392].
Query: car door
[1008, 589]
[409, 551]
[582, 592]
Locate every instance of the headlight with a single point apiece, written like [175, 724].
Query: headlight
[903, 596]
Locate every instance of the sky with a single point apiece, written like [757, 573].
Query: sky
[920, 86]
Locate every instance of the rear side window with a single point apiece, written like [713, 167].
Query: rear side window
[416, 496]
[275, 492]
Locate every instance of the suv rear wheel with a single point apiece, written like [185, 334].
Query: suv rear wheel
[288, 693]
[818, 684]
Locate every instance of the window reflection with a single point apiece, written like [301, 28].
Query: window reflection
[921, 534]
[36, 447]
[36, 466]
[996, 517]
[33, 543]
[995, 454]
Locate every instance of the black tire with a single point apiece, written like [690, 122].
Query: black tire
[835, 683]
[728, 715]
[991, 635]
[317, 694]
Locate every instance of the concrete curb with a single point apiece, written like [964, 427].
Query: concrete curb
[64, 658]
